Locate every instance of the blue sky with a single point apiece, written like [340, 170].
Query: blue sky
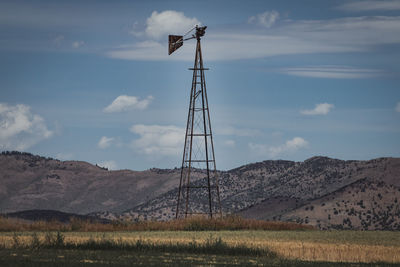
[92, 80]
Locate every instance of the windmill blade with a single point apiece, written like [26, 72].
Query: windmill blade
[174, 42]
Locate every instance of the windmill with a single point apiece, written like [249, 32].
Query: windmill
[196, 195]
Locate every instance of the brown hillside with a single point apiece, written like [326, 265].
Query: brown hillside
[34, 182]
[325, 192]
[282, 190]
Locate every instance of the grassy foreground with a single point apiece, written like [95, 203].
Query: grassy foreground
[196, 241]
[250, 247]
[72, 258]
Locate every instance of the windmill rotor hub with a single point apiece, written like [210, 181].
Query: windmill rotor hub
[200, 31]
[176, 41]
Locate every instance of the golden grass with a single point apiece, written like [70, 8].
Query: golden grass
[335, 252]
[359, 247]
[189, 224]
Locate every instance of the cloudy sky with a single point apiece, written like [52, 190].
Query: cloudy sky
[92, 80]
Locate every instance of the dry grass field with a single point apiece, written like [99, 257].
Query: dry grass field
[235, 238]
[330, 246]
[189, 224]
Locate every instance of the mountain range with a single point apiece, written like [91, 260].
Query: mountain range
[320, 191]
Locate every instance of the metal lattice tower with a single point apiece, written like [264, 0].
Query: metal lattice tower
[197, 195]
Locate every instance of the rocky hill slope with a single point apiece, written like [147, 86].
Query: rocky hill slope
[30, 182]
[328, 193]
[321, 191]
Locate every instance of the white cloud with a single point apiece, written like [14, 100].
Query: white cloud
[358, 33]
[78, 44]
[224, 46]
[125, 103]
[105, 142]
[371, 5]
[352, 34]
[229, 143]
[158, 139]
[398, 107]
[320, 109]
[19, 128]
[147, 50]
[168, 22]
[266, 19]
[109, 164]
[273, 151]
[333, 72]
